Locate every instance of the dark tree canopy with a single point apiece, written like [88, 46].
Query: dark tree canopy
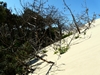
[22, 36]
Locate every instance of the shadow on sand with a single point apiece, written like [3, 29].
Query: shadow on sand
[33, 61]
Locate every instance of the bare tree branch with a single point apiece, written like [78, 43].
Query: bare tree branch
[72, 16]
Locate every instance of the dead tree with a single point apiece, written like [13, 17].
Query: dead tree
[72, 16]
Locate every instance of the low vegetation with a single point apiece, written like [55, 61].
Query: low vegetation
[66, 35]
[62, 50]
[76, 37]
[44, 51]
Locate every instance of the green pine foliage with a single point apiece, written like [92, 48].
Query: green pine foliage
[20, 40]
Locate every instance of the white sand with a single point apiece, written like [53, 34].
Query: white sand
[83, 57]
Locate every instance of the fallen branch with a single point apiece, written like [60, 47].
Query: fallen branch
[49, 69]
[39, 57]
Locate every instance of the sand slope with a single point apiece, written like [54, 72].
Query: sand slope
[83, 57]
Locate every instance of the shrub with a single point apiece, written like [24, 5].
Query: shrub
[44, 51]
[55, 52]
[66, 35]
[76, 37]
[62, 50]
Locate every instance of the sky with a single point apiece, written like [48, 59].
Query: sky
[77, 6]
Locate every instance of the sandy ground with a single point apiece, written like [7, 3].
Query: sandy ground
[82, 58]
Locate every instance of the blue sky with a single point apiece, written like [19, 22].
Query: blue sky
[75, 5]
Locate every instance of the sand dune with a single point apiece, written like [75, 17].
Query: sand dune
[82, 58]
